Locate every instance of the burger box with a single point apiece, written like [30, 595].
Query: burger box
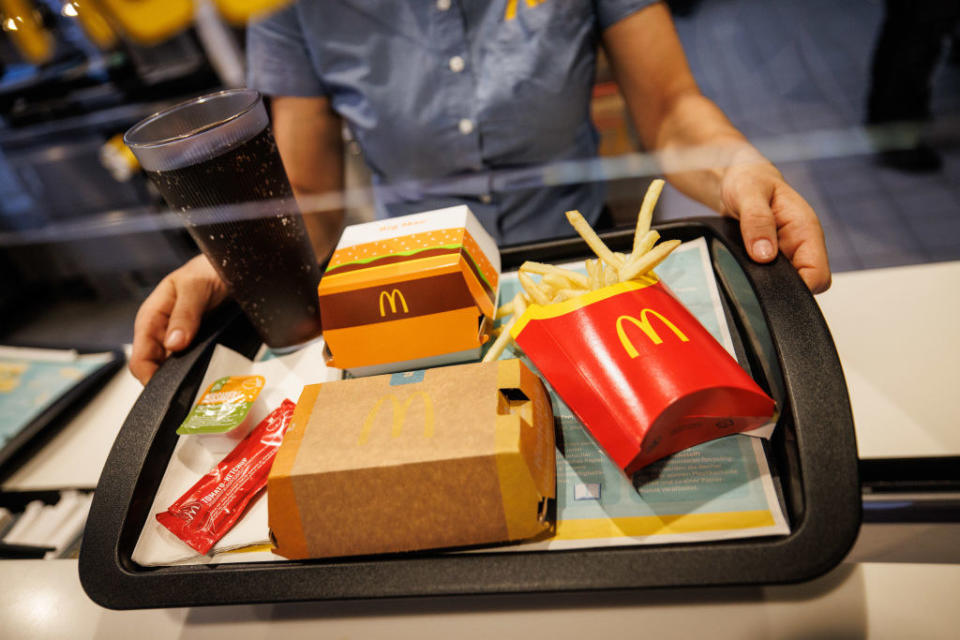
[410, 292]
[447, 457]
[777, 328]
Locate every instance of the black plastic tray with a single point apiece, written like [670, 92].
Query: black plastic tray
[813, 451]
[38, 431]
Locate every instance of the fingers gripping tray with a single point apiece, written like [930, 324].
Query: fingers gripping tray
[812, 452]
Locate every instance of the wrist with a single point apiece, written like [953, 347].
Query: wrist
[747, 170]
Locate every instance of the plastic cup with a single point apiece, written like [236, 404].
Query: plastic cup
[215, 162]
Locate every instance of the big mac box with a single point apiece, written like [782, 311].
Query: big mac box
[410, 292]
[447, 457]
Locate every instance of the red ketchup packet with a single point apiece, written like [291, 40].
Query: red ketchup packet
[211, 507]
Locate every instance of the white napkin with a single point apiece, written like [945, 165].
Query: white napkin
[285, 377]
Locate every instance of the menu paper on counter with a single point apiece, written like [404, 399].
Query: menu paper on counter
[33, 379]
[718, 490]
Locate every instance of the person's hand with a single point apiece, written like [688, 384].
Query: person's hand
[775, 217]
[170, 316]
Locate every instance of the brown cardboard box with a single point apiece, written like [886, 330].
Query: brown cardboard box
[445, 457]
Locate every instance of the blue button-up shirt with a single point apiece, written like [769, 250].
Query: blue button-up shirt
[448, 99]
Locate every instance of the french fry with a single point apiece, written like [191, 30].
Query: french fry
[542, 269]
[539, 294]
[496, 349]
[640, 249]
[645, 217]
[649, 260]
[644, 245]
[520, 304]
[608, 268]
[592, 239]
[556, 281]
[568, 294]
[593, 271]
[610, 275]
[538, 268]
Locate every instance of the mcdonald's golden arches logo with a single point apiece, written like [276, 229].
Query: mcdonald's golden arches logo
[400, 409]
[392, 297]
[644, 324]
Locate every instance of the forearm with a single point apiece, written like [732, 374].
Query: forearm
[698, 145]
[702, 153]
[310, 141]
[695, 140]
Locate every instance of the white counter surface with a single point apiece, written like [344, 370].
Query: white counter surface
[898, 335]
[74, 457]
[43, 599]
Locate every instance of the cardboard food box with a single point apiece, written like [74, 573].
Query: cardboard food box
[410, 292]
[640, 372]
[446, 457]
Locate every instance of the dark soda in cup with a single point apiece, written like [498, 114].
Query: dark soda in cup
[215, 162]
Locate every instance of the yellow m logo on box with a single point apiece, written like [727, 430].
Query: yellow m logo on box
[399, 415]
[391, 297]
[647, 328]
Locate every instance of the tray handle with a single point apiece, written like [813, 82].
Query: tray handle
[813, 391]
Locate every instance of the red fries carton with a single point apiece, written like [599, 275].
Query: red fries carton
[640, 372]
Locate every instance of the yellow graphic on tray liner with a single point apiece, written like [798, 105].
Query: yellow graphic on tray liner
[10, 374]
[71, 373]
[639, 526]
[644, 324]
[399, 415]
[392, 297]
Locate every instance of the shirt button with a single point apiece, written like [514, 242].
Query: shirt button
[457, 64]
[466, 126]
[486, 199]
[443, 5]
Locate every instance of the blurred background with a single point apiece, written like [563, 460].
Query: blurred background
[83, 236]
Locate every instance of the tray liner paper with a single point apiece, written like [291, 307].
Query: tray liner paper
[641, 372]
[445, 457]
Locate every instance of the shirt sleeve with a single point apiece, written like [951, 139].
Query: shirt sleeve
[278, 58]
[612, 11]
